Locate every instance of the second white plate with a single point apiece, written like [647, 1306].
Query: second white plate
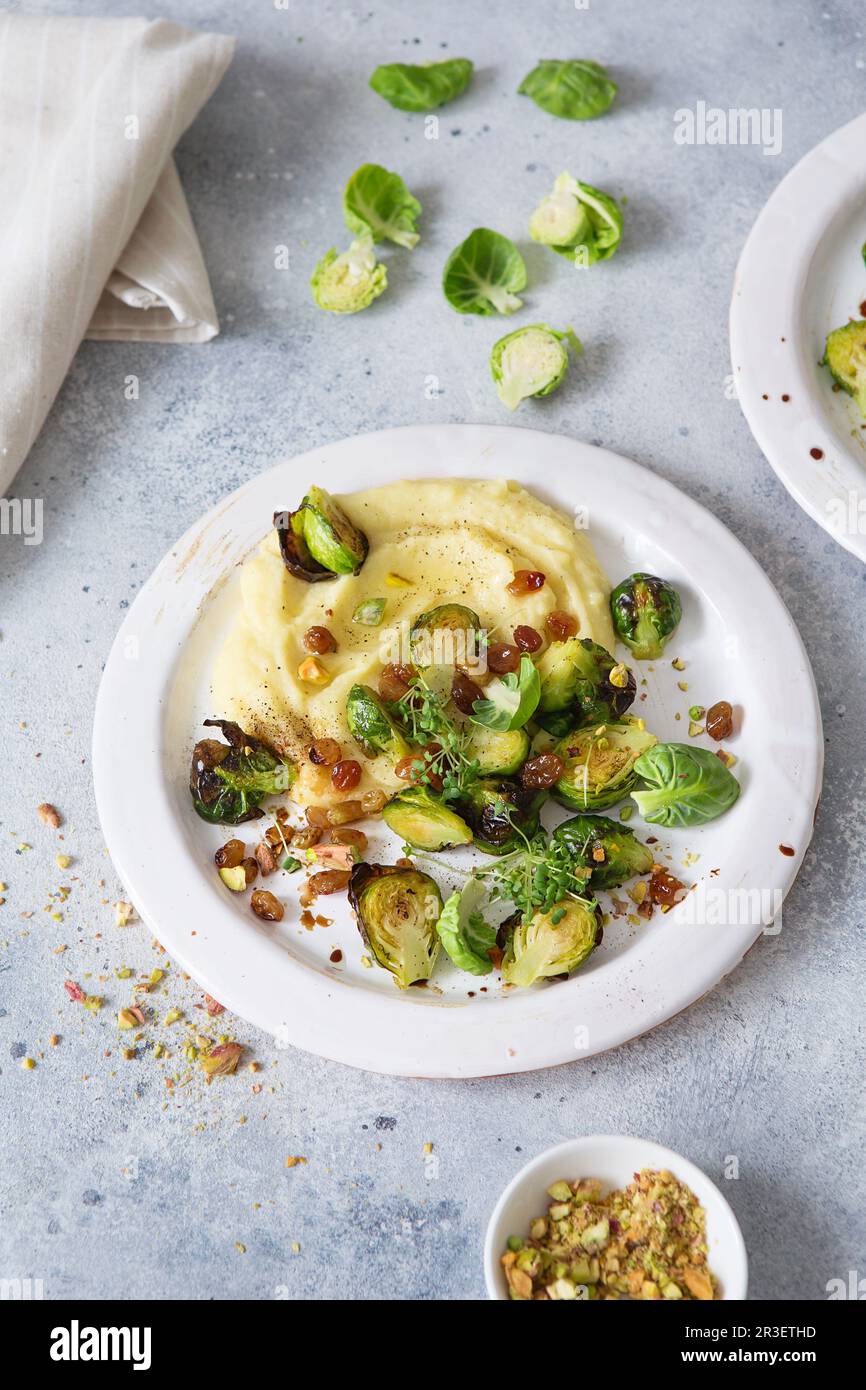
[801, 274]
[738, 643]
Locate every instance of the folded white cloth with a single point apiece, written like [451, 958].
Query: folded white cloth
[96, 239]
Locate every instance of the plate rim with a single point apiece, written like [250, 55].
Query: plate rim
[819, 184]
[121, 839]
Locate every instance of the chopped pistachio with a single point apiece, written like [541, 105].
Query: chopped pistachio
[678, 664]
[123, 914]
[695, 729]
[173, 1015]
[626, 812]
[682, 685]
[397, 581]
[62, 861]
[696, 712]
[313, 672]
[235, 878]
[28, 1063]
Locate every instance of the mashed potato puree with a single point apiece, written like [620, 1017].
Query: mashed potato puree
[454, 541]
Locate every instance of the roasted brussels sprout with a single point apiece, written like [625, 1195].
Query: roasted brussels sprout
[609, 849]
[646, 611]
[228, 781]
[449, 635]
[296, 555]
[550, 945]
[397, 911]
[845, 355]
[581, 684]
[500, 812]
[599, 765]
[497, 754]
[371, 725]
[331, 538]
[425, 822]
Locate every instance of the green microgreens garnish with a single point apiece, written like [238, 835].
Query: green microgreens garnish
[538, 875]
[423, 713]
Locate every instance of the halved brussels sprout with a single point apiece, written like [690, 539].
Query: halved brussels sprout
[397, 911]
[227, 781]
[608, 848]
[551, 944]
[499, 810]
[599, 765]
[331, 538]
[294, 550]
[371, 725]
[581, 683]
[645, 611]
[345, 283]
[449, 635]
[424, 822]
[845, 355]
[497, 754]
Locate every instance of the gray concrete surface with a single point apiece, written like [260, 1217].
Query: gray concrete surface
[113, 1186]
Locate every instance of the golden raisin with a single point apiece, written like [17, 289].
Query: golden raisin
[502, 657]
[229, 855]
[329, 881]
[464, 692]
[561, 625]
[345, 812]
[720, 720]
[356, 838]
[266, 906]
[319, 640]
[394, 681]
[525, 582]
[542, 771]
[527, 638]
[346, 775]
[373, 801]
[325, 751]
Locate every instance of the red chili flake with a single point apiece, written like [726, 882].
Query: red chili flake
[786, 849]
[77, 993]
[817, 453]
[213, 1006]
[336, 956]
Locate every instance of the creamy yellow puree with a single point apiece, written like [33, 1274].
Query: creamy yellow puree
[455, 541]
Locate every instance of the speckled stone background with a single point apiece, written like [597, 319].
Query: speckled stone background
[114, 1186]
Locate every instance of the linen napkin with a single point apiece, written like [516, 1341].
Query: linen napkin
[96, 239]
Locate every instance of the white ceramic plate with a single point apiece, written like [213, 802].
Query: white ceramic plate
[801, 275]
[738, 642]
[614, 1158]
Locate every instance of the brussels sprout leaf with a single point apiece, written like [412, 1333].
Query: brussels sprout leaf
[685, 785]
[511, 700]
[378, 203]
[466, 936]
[483, 274]
[421, 86]
[575, 90]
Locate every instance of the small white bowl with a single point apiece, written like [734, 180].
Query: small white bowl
[614, 1158]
